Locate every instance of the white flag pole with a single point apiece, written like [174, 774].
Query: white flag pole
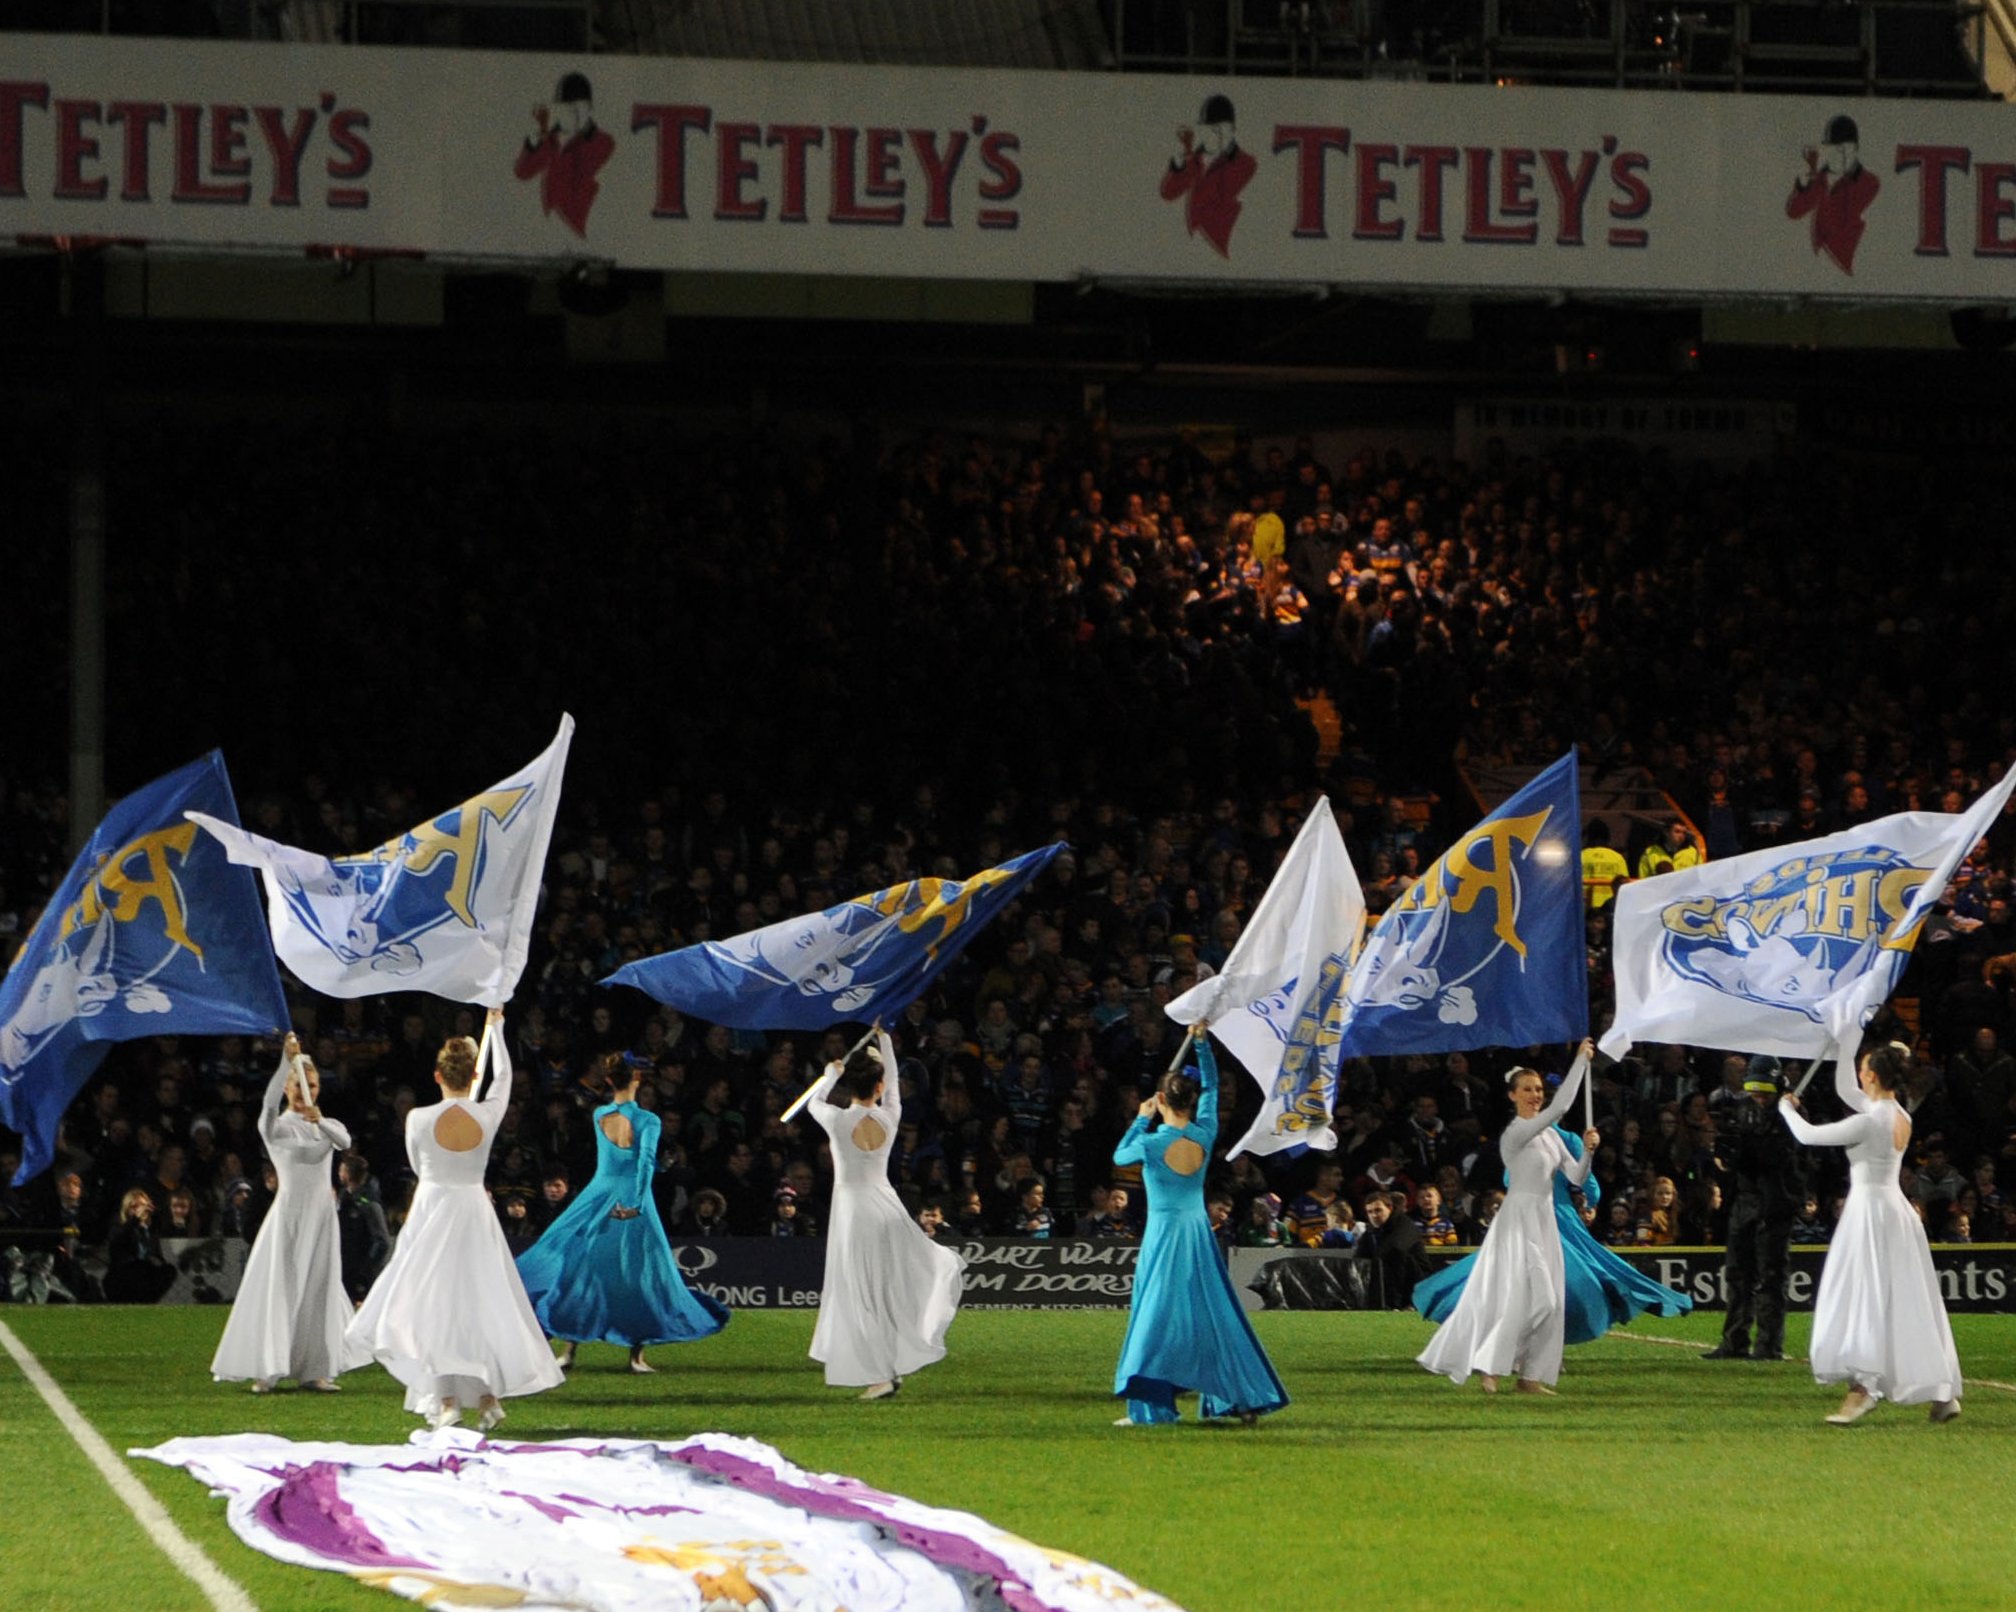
[1812, 1069]
[1589, 1096]
[805, 1096]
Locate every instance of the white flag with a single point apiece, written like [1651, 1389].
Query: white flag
[1278, 1003]
[445, 907]
[1789, 950]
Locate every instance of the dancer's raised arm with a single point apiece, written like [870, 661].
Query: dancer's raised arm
[1207, 1078]
[497, 1094]
[273, 1104]
[892, 1089]
[1519, 1132]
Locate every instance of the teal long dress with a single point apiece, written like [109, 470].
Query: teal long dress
[1186, 1332]
[1604, 1290]
[593, 1279]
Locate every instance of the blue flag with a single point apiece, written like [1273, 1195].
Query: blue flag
[864, 959]
[152, 932]
[1487, 948]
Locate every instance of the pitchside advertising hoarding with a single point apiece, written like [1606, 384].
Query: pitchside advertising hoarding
[834, 170]
[786, 1273]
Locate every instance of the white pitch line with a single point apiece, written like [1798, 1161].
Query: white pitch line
[1797, 1360]
[221, 1591]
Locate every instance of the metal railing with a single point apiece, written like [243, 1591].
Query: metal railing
[1836, 47]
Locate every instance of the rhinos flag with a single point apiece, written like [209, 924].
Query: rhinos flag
[864, 959]
[1486, 948]
[1278, 1003]
[152, 932]
[445, 907]
[1789, 950]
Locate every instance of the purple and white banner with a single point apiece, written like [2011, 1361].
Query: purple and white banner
[589, 1525]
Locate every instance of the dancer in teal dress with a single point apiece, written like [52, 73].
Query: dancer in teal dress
[1185, 1330]
[1604, 1290]
[603, 1272]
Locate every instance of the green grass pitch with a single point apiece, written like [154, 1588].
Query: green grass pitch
[1656, 1480]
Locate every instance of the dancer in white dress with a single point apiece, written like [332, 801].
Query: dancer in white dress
[890, 1292]
[448, 1315]
[289, 1316]
[1512, 1317]
[1879, 1323]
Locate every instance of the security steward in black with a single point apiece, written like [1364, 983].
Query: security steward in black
[1761, 1159]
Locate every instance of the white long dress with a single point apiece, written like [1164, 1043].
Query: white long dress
[890, 1292]
[1512, 1317]
[448, 1315]
[1879, 1319]
[290, 1312]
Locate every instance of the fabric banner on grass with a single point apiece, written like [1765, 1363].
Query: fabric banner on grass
[606, 1525]
[446, 907]
[1278, 1002]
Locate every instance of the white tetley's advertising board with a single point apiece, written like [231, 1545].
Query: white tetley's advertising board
[1017, 176]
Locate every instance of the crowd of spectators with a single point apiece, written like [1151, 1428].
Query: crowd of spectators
[806, 673]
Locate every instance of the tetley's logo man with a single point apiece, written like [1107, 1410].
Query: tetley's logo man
[565, 151]
[1792, 931]
[1209, 170]
[1834, 190]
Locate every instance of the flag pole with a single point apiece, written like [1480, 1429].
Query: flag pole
[805, 1096]
[482, 1058]
[1589, 1095]
[1812, 1069]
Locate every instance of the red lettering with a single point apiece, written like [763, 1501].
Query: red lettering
[1634, 198]
[1004, 181]
[1933, 163]
[1477, 225]
[734, 169]
[796, 139]
[73, 149]
[1311, 143]
[938, 172]
[1434, 162]
[1571, 191]
[13, 97]
[671, 122]
[287, 146]
[227, 143]
[346, 134]
[1375, 191]
[1992, 206]
[190, 185]
[843, 208]
[139, 117]
[1515, 184]
[885, 164]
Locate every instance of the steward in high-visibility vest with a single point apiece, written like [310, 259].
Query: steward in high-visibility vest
[1603, 867]
[1678, 850]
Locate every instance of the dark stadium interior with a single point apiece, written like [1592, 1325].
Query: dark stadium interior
[837, 601]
